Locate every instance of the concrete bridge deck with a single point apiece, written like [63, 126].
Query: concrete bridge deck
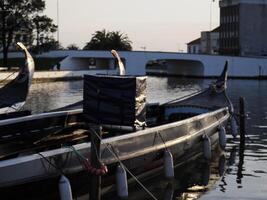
[180, 64]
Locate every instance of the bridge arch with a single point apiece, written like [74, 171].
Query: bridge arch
[177, 67]
[180, 67]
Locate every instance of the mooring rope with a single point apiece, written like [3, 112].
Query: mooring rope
[50, 163]
[188, 95]
[8, 76]
[113, 152]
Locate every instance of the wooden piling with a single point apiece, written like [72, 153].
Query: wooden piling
[95, 182]
[242, 119]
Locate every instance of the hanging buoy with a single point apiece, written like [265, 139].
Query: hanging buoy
[206, 175]
[222, 137]
[64, 188]
[232, 157]
[207, 147]
[221, 165]
[168, 165]
[234, 127]
[169, 191]
[121, 178]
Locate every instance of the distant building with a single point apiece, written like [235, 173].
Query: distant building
[243, 27]
[194, 46]
[208, 43]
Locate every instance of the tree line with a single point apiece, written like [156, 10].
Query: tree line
[23, 21]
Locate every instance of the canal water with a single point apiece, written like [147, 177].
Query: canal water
[241, 173]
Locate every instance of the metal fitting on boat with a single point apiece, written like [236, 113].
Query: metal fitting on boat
[222, 137]
[64, 188]
[121, 179]
[207, 147]
[168, 165]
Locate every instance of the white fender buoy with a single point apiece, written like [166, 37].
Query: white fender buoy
[222, 137]
[168, 165]
[64, 188]
[232, 157]
[121, 179]
[221, 164]
[207, 147]
[234, 127]
[169, 191]
[206, 175]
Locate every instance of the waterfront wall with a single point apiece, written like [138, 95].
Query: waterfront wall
[42, 76]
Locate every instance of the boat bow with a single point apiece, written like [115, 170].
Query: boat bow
[13, 95]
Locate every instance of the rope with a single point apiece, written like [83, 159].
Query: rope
[218, 119]
[113, 152]
[203, 128]
[8, 77]
[183, 97]
[49, 162]
[87, 164]
[163, 142]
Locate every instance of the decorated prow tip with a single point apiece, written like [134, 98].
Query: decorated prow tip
[20, 45]
[121, 65]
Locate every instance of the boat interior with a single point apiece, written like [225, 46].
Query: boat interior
[46, 131]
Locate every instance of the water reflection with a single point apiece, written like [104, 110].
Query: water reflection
[192, 180]
[185, 83]
[47, 96]
[240, 165]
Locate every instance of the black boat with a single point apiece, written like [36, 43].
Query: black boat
[43, 146]
[13, 95]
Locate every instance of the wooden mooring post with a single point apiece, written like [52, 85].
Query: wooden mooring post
[242, 119]
[95, 182]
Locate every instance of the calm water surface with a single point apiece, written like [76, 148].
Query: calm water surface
[245, 174]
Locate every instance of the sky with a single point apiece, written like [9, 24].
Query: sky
[156, 25]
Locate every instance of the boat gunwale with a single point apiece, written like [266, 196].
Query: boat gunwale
[81, 146]
[39, 116]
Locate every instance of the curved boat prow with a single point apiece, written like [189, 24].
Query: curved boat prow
[222, 80]
[13, 95]
[29, 65]
[121, 65]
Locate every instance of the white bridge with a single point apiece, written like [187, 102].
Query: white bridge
[182, 64]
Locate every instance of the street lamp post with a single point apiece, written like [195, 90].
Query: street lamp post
[143, 47]
[58, 21]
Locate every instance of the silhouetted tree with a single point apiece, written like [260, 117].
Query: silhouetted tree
[105, 40]
[44, 28]
[20, 20]
[72, 47]
[49, 45]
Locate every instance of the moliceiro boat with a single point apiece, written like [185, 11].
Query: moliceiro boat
[13, 95]
[135, 134]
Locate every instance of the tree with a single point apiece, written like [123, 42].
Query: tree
[19, 20]
[72, 47]
[44, 28]
[105, 40]
[49, 45]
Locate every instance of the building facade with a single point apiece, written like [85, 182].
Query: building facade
[243, 27]
[208, 43]
[194, 46]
